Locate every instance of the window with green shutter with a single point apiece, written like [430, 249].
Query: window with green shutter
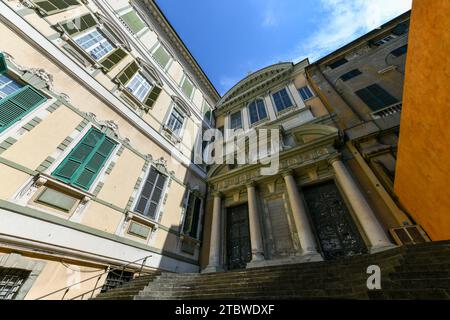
[161, 56]
[49, 7]
[133, 21]
[85, 161]
[375, 97]
[151, 194]
[3, 65]
[150, 100]
[192, 216]
[79, 24]
[111, 60]
[187, 87]
[127, 73]
[18, 104]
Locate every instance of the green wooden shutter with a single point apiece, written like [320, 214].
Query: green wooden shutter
[49, 7]
[113, 59]
[150, 100]
[15, 106]
[3, 65]
[85, 161]
[133, 21]
[79, 24]
[127, 73]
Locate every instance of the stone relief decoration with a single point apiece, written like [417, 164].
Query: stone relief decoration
[359, 52]
[297, 160]
[110, 126]
[37, 77]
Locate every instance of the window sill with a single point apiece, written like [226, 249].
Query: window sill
[189, 239]
[171, 135]
[43, 179]
[131, 215]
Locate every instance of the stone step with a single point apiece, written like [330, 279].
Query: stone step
[424, 267]
[407, 294]
[419, 275]
[431, 283]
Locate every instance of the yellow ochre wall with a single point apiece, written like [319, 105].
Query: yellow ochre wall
[423, 171]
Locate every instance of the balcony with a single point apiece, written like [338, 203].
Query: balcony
[387, 111]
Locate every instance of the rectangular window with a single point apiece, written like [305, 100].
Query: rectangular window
[384, 40]
[8, 86]
[139, 87]
[187, 87]
[15, 105]
[95, 43]
[151, 194]
[305, 93]
[376, 97]
[351, 74]
[161, 56]
[400, 51]
[133, 21]
[192, 216]
[236, 120]
[49, 7]
[11, 280]
[338, 63]
[175, 122]
[257, 111]
[282, 100]
[85, 161]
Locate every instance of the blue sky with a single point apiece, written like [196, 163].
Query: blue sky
[231, 38]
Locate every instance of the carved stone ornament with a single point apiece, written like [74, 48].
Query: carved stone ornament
[41, 73]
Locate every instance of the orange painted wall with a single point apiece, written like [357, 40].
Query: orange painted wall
[422, 179]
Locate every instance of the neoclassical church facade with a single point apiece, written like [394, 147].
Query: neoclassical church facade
[101, 109]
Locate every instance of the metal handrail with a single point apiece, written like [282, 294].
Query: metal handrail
[391, 109]
[108, 269]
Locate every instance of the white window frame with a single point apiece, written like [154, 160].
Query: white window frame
[309, 88]
[151, 85]
[96, 44]
[169, 63]
[187, 78]
[182, 113]
[259, 120]
[11, 80]
[293, 106]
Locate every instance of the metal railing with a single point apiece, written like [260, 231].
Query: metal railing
[98, 278]
[387, 111]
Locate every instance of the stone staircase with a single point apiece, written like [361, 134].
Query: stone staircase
[409, 272]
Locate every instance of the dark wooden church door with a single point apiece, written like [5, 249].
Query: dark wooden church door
[238, 237]
[335, 228]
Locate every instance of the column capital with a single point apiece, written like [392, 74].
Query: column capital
[250, 184]
[217, 194]
[287, 173]
[334, 159]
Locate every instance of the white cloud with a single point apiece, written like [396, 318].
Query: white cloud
[345, 21]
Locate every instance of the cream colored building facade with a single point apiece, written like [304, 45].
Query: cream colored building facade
[99, 104]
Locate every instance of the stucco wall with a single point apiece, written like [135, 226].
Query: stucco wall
[422, 174]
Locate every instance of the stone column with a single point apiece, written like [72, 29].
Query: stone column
[216, 230]
[366, 217]
[255, 227]
[304, 230]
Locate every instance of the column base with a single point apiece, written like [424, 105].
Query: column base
[212, 269]
[304, 258]
[381, 248]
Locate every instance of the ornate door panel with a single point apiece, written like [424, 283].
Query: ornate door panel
[238, 237]
[335, 228]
